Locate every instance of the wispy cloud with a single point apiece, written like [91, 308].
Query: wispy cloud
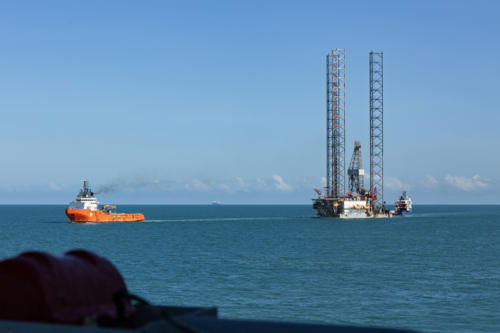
[467, 184]
[429, 183]
[395, 184]
[57, 187]
[197, 185]
[32, 188]
[281, 185]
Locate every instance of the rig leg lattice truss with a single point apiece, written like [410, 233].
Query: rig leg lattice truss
[335, 111]
[377, 128]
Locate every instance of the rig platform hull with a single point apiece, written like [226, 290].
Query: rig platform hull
[347, 209]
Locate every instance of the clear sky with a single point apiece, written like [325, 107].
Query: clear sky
[168, 102]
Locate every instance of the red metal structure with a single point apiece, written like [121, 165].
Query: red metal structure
[70, 289]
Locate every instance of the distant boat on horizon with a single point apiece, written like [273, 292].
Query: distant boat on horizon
[216, 203]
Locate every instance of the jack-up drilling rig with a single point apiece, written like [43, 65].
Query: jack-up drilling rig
[357, 202]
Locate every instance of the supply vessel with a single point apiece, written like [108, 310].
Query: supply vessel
[403, 205]
[85, 209]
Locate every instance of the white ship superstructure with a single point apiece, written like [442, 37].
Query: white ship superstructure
[85, 199]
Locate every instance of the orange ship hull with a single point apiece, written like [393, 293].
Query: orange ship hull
[99, 216]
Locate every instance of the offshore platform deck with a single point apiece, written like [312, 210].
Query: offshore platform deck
[348, 208]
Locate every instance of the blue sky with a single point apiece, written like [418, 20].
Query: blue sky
[189, 102]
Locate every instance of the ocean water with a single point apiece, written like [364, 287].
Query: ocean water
[436, 271]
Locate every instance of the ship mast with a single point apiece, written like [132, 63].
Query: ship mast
[86, 190]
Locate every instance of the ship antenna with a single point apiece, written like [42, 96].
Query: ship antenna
[85, 186]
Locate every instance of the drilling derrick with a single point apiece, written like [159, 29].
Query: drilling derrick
[356, 172]
[377, 130]
[335, 123]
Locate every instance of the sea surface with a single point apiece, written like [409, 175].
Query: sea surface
[436, 271]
